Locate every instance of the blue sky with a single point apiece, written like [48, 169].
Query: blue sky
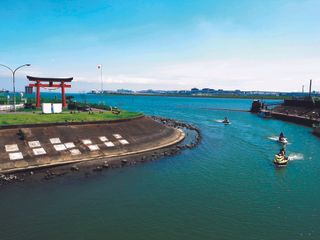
[168, 44]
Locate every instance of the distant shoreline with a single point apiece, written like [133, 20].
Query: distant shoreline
[199, 96]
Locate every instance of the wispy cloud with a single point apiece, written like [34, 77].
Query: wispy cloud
[285, 74]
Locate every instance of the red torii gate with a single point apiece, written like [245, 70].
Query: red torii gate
[59, 83]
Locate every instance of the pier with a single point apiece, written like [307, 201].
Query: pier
[226, 109]
[304, 120]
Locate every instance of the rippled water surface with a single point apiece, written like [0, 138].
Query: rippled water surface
[226, 188]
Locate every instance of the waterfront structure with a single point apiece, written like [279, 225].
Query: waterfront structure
[50, 83]
[50, 144]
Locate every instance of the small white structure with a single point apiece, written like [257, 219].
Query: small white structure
[123, 141]
[109, 144]
[34, 144]
[10, 107]
[60, 147]
[57, 107]
[39, 151]
[86, 141]
[69, 145]
[103, 139]
[117, 136]
[46, 108]
[12, 148]
[93, 147]
[75, 151]
[49, 108]
[55, 140]
[15, 156]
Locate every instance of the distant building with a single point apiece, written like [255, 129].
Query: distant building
[125, 91]
[4, 90]
[194, 90]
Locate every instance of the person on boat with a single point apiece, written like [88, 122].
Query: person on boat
[226, 120]
[280, 158]
[281, 136]
[282, 152]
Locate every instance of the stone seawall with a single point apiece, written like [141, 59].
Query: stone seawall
[24, 148]
[294, 118]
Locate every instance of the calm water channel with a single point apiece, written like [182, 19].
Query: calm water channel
[226, 188]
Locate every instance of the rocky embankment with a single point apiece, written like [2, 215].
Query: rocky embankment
[183, 126]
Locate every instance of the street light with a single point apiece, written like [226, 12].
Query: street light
[14, 80]
[101, 82]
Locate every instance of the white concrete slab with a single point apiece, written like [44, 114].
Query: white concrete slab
[87, 141]
[34, 144]
[75, 151]
[55, 140]
[117, 136]
[123, 141]
[103, 139]
[59, 147]
[109, 144]
[93, 147]
[57, 107]
[15, 156]
[70, 145]
[12, 148]
[46, 108]
[39, 151]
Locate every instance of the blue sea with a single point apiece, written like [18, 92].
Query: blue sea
[226, 188]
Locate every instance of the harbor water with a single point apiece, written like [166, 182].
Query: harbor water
[226, 188]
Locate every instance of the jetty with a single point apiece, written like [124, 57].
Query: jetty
[299, 119]
[226, 109]
[27, 147]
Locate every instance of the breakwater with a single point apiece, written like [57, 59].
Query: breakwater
[303, 120]
[186, 127]
[304, 112]
[171, 143]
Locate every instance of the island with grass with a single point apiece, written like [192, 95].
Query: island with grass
[32, 140]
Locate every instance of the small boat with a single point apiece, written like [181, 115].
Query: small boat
[280, 161]
[226, 121]
[283, 140]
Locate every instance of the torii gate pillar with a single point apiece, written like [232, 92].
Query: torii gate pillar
[64, 102]
[38, 99]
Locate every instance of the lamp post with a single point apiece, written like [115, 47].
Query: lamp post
[14, 80]
[101, 81]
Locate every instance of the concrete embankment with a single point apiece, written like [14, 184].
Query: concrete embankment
[301, 111]
[303, 120]
[32, 147]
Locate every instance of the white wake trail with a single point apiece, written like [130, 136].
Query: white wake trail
[295, 156]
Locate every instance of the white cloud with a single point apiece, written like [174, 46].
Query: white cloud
[277, 75]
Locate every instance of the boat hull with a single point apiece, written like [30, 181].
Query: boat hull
[280, 161]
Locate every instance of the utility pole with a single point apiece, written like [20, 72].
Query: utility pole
[14, 80]
[101, 81]
[310, 88]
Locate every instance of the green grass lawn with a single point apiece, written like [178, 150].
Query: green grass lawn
[33, 118]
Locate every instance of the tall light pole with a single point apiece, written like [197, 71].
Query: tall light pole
[14, 80]
[101, 82]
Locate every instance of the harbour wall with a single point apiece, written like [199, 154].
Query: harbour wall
[294, 118]
[31, 147]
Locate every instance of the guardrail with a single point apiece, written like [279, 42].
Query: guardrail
[10, 107]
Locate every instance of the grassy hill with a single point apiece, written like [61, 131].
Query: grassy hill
[36, 118]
